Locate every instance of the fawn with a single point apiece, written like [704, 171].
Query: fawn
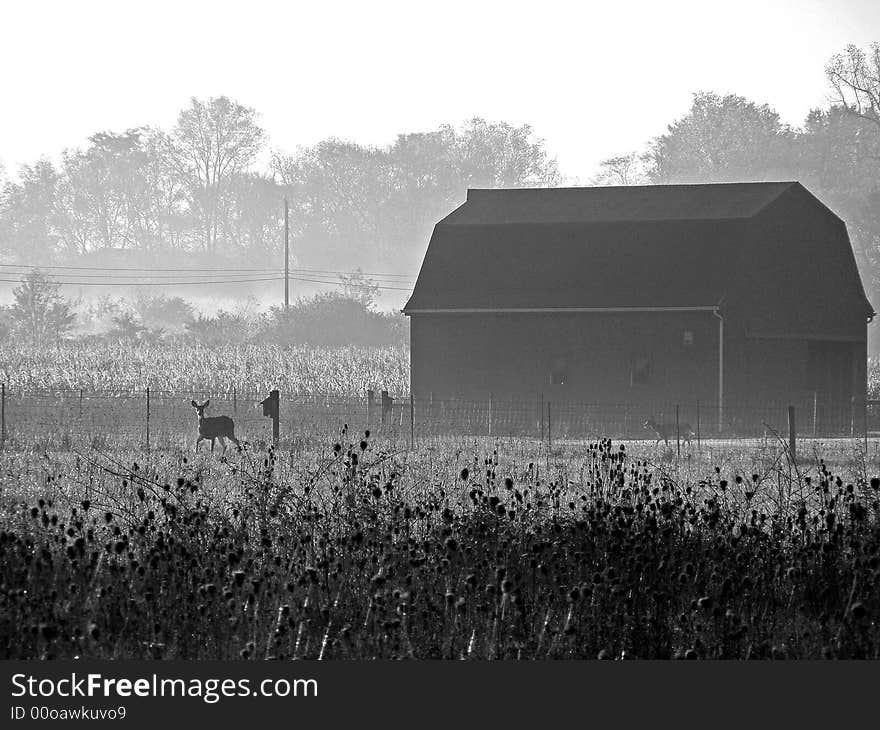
[666, 431]
[214, 427]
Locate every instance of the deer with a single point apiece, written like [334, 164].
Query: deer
[666, 431]
[214, 427]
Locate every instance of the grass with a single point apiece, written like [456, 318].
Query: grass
[461, 549]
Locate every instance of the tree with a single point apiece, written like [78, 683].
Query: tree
[172, 224]
[376, 205]
[845, 145]
[854, 76]
[103, 197]
[28, 213]
[216, 141]
[838, 159]
[358, 287]
[621, 170]
[722, 139]
[39, 313]
[254, 218]
[338, 192]
[499, 155]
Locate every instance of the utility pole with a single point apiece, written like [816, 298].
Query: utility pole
[286, 257]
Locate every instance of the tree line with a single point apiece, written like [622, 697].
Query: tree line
[198, 189]
[212, 186]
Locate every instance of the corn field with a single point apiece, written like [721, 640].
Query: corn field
[190, 367]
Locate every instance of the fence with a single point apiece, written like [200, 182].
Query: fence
[158, 419]
[163, 419]
[627, 421]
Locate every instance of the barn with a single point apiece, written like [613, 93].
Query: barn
[730, 301]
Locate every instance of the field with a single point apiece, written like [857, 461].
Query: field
[188, 367]
[356, 546]
[465, 550]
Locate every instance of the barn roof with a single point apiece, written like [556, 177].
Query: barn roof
[662, 246]
[616, 204]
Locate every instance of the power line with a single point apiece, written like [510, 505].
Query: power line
[155, 276]
[341, 283]
[203, 281]
[349, 273]
[153, 283]
[129, 268]
[204, 278]
[206, 271]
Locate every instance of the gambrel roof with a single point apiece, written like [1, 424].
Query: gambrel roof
[631, 203]
[659, 246]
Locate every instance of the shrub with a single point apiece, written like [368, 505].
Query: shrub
[334, 320]
[169, 314]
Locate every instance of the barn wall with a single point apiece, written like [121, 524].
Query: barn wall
[763, 376]
[471, 355]
[798, 283]
[799, 273]
[765, 371]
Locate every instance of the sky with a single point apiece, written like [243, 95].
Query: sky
[593, 79]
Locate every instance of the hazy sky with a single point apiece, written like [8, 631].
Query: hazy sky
[594, 79]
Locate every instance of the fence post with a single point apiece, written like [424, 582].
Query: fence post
[698, 424]
[386, 406]
[271, 408]
[549, 428]
[815, 411]
[148, 419]
[3, 417]
[80, 403]
[677, 432]
[276, 421]
[234, 401]
[792, 434]
[489, 416]
[542, 417]
[371, 397]
[412, 423]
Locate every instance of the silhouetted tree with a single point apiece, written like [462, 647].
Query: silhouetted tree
[216, 141]
[39, 313]
[855, 77]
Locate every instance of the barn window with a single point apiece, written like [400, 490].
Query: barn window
[640, 369]
[688, 337]
[559, 372]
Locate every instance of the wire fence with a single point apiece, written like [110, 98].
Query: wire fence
[155, 419]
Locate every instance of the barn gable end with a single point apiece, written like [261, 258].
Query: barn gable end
[801, 273]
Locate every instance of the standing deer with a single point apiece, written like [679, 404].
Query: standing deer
[214, 427]
[666, 431]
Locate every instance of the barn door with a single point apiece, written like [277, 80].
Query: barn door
[831, 379]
